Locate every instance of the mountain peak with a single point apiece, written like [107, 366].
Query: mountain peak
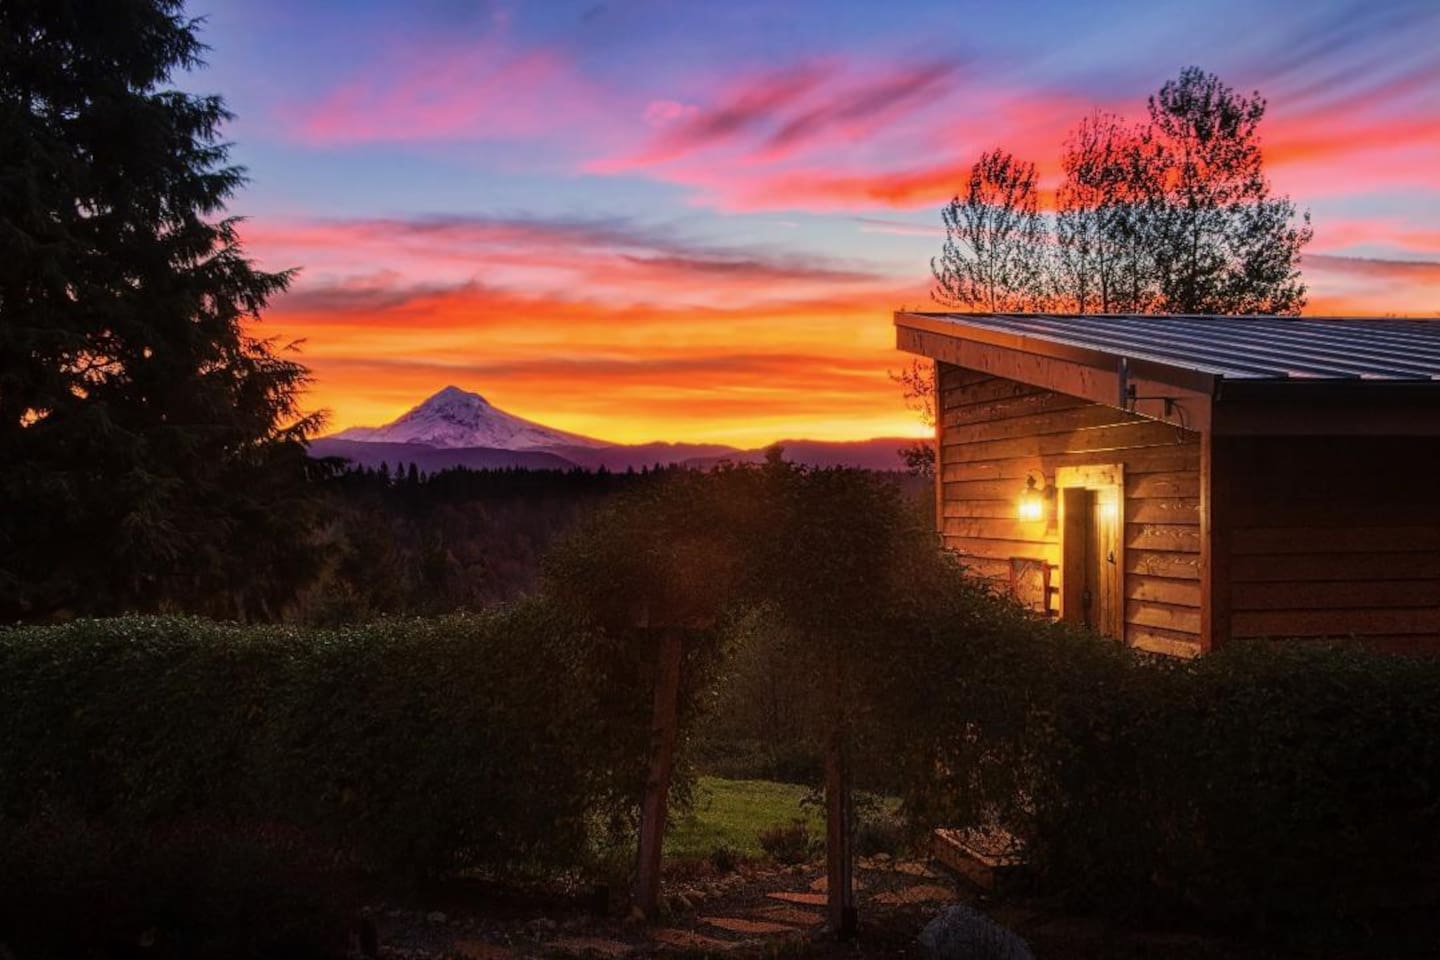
[455, 417]
[452, 393]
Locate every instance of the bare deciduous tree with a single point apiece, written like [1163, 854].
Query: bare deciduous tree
[921, 392]
[1219, 241]
[1100, 260]
[995, 240]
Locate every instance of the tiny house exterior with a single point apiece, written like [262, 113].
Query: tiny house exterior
[1176, 481]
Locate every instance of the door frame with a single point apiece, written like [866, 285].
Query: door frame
[1086, 477]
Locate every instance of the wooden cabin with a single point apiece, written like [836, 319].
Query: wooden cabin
[1176, 481]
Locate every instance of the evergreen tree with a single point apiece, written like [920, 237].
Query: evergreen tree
[152, 445]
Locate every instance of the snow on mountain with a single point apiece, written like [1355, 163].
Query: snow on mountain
[457, 428]
[458, 418]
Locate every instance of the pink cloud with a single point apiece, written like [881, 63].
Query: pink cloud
[833, 135]
[614, 260]
[738, 112]
[659, 113]
[478, 91]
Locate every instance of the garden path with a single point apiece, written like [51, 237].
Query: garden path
[749, 912]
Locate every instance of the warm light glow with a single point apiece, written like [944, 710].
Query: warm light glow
[1032, 502]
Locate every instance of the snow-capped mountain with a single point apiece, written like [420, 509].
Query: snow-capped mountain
[457, 428]
[458, 418]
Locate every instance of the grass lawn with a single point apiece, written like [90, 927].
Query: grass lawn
[733, 813]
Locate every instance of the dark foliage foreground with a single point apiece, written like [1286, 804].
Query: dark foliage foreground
[190, 776]
[1288, 790]
[1292, 790]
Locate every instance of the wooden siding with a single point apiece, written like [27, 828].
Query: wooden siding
[1336, 538]
[994, 432]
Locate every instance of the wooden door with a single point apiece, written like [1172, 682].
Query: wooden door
[1101, 597]
[1091, 559]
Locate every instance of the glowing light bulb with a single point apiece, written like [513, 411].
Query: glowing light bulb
[1031, 506]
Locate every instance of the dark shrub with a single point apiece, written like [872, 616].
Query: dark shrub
[1266, 784]
[413, 746]
[790, 844]
[879, 831]
[725, 858]
[1279, 786]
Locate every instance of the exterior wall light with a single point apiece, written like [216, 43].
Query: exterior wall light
[1031, 505]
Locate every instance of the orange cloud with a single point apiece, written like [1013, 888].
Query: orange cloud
[637, 335]
[611, 260]
[813, 368]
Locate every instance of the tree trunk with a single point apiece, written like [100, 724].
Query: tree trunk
[653, 809]
[839, 845]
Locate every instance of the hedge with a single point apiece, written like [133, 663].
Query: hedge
[410, 746]
[1282, 786]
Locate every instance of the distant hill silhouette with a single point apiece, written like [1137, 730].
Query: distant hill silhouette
[430, 459]
[456, 428]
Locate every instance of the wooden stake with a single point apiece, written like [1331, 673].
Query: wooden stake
[653, 809]
[839, 840]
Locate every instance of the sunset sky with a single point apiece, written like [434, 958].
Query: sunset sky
[667, 220]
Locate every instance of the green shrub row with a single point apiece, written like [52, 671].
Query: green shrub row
[410, 746]
[1282, 786]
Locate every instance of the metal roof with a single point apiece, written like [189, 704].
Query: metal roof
[1229, 347]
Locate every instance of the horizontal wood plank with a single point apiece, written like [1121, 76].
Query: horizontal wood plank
[1140, 463]
[1167, 616]
[1322, 595]
[1344, 539]
[1002, 528]
[1169, 590]
[987, 567]
[1002, 549]
[1169, 642]
[1335, 623]
[1161, 486]
[1169, 537]
[1007, 407]
[1162, 510]
[1087, 440]
[1082, 417]
[1007, 489]
[1159, 563]
[1264, 568]
[981, 391]
[993, 509]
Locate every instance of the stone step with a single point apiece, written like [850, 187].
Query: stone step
[791, 915]
[920, 893]
[690, 940]
[741, 925]
[592, 946]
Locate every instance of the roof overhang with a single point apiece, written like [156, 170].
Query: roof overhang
[1190, 398]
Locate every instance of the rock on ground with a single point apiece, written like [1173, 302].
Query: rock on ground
[960, 933]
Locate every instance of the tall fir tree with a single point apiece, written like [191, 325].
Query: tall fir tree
[153, 446]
